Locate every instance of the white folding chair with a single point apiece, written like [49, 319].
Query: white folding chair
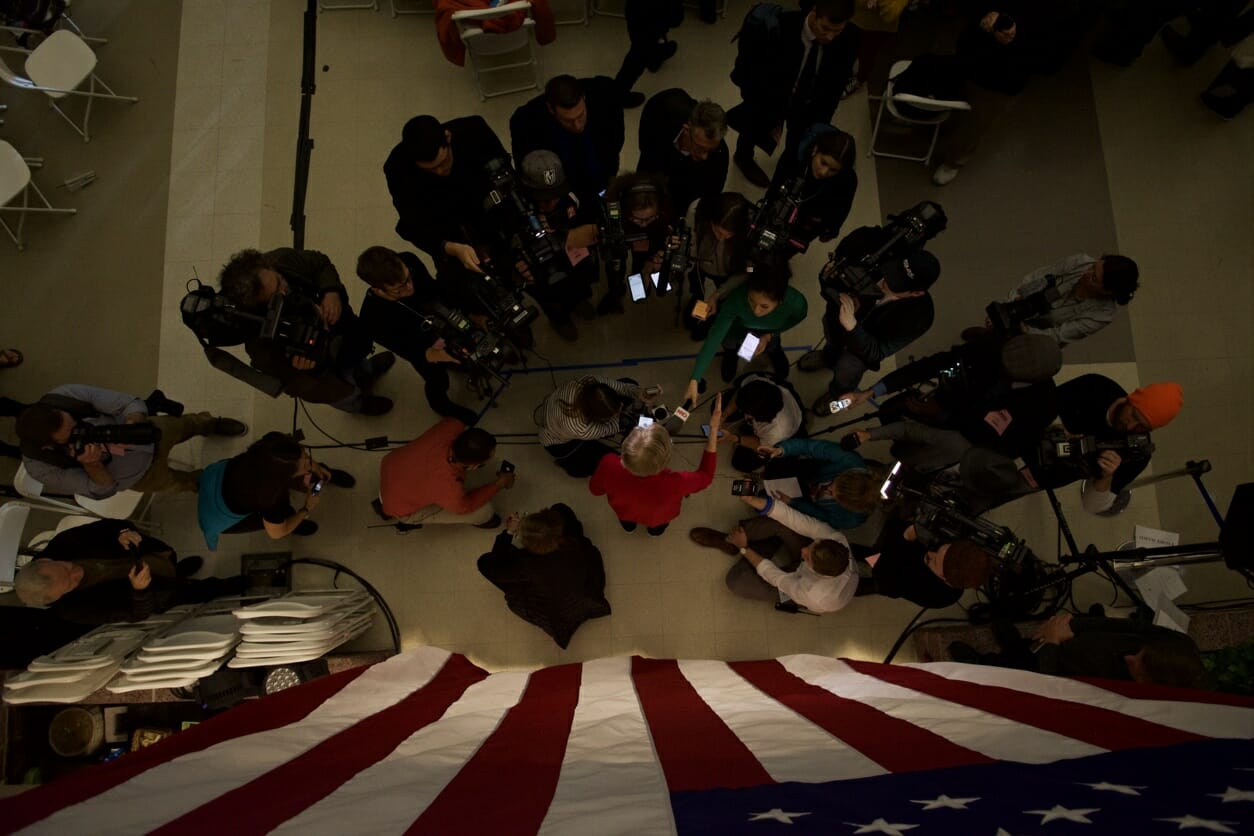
[15, 180]
[420, 7]
[480, 44]
[123, 505]
[31, 488]
[57, 68]
[941, 108]
[12, 523]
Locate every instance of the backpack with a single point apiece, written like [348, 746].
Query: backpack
[758, 31]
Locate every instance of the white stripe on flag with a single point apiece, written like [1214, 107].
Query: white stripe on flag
[789, 747]
[977, 730]
[610, 772]
[388, 796]
[159, 795]
[1197, 717]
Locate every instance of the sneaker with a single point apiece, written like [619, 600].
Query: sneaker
[610, 305]
[944, 174]
[379, 365]
[712, 539]
[188, 566]
[375, 405]
[566, 330]
[495, 522]
[811, 361]
[377, 505]
[226, 426]
[306, 528]
[632, 100]
[752, 171]
[342, 478]
[585, 311]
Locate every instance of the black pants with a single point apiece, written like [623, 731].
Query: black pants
[578, 458]
[655, 531]
[648, 21]
[436, 385]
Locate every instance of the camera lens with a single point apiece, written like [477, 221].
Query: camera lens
[659, 413]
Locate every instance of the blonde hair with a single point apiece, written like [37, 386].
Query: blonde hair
[646, 450]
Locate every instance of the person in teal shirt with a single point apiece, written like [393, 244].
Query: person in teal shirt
[763, 304]
[838, 486]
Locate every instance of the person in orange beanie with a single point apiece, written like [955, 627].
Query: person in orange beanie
[1093, 405]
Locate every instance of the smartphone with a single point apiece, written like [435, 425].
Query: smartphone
[837, 406]
[744, 487]
[507, 466]
[644, 421]
[636, 283]
[705, 431]
[700, 310]
[750, 345]
[315, 487]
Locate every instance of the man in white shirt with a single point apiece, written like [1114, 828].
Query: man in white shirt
[809, 563]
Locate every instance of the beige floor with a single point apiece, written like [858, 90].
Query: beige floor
[1182, 189]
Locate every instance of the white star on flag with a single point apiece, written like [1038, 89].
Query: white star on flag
[1123, 789]
[881, 826]
[944, 802]
[1191, 822]
[776, 814]
[1060, 812]
[1234, 794]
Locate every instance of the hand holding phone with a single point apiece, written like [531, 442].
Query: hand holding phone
[507, 466]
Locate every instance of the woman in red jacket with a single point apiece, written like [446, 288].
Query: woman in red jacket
[639, 486]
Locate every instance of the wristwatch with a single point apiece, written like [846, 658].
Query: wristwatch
[743, 550]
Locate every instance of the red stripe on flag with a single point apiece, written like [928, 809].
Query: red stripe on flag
[695, 747]
[261, 715]
[509, 783]
[271, 799]
[1090, 724]
[1147, 691]
[895, 744]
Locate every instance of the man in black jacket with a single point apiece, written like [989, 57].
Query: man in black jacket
[438, 182]
[791, 68]
[863, 330]
[902, 567]
[402, 294]
[580, 120]
[341, 372]
[682, 140]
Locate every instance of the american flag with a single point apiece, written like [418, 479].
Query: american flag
[426, 742]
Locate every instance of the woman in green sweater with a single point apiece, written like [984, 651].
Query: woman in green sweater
[765, 305]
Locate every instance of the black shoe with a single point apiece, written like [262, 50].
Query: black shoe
[342, 478]
[379, 365]
[495, 522]
[10, 451]
[227, 426]
[610, 305]
[729, 365]
[752, 171]
[632, 100]
[823, 406]
[188, 566]
[662, 55]
[405, 528]
[963, 652]
[566, 330]
[377, 505]
[375, 405]
[627, 526]
[158, 402]
[306, 528]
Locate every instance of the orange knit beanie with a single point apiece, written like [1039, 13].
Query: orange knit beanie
[1158, 402]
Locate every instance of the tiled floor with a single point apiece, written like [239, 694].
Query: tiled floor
[1181, 191]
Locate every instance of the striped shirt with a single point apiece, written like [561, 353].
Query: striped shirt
[560, 427]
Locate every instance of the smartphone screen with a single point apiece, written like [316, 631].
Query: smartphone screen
[636, 283]
[700, 310]
[645, 421]
[747, 347]
[705, 431]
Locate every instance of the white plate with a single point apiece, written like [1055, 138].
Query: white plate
[201, 655]
[160, 676]
[62, 692]
[304, 604]
[135, 665]
[124, 684]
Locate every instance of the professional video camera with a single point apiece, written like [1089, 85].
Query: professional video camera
[612, 237]
[771, 228]
[1006, 317]
[523, 230]
[905, 232]
[678, 258]
[1082, 451]
[502, 302]
[474, 348]
[141, 433]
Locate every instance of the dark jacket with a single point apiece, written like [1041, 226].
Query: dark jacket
[1099, 646]
[824, 204]
[901, 571]
[766, 69]
[663, 117]
[590, 158]
[557, 591]
[1042, 40]
[398, 325]
[436, 209]
[883, 330]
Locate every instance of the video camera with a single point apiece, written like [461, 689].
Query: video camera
[678, 258]
[614, 239]
[905, 232]
[141, 433]
[1058, 448]
[525, 232]
[502, 302]
[1006, 317]
[473, 348]
[770, 229]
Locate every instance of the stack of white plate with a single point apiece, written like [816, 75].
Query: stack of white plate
[184, 654]
[79, 669]
[300, 626]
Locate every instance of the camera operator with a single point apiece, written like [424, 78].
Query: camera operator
[47, 428]
[343, 373]
[863, 330]
[765, 305]
[561, 212]
[929, 575]
[1093, 405]
[788, 553]
[824, 161]
[838, 486]
[437, 179]
[582, 412]
[772, 412]
[251, 491]
[681, 139]
[718, 251]
[402, 293]
[646, 220]
[424, 481]
[579, 120]
[1071, 299]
